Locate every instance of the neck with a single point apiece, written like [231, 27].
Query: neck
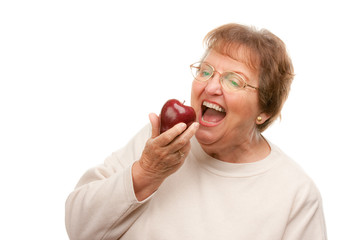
[245, 150]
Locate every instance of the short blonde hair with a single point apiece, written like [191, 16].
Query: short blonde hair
[265, 53]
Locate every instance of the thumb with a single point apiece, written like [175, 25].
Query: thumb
[155, 124]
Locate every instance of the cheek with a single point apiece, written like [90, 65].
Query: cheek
[243, 105]
[196, 90]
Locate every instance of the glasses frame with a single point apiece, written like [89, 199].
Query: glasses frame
[192, 66]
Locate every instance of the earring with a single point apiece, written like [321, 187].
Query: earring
[259, 119]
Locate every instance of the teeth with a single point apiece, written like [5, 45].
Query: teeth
[213, 106]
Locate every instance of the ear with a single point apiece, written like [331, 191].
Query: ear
[261, 118]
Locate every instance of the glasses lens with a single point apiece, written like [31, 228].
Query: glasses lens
[232, 81]
[202, 71]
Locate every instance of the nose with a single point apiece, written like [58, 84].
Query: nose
[213, 86]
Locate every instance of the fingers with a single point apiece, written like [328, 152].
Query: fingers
[177, 136]
[164, 154]
[184, 151]
[167, 137]
[155, 124]
[180, 146]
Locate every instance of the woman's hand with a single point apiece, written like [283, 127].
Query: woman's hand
[162, 156]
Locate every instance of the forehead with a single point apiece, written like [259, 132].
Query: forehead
[238, 52]
[222, 62]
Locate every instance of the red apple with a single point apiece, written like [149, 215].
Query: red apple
[174, 112]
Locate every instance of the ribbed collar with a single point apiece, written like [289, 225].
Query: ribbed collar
[226, 169]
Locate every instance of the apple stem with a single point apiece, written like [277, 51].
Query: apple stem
[183, 102]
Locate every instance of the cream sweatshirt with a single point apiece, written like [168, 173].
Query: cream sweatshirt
[206, 199]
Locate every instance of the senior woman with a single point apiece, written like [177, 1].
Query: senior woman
[219, 178]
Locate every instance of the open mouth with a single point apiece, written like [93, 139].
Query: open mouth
[212, 113]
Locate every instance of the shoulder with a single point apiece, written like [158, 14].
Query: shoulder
[302, 198]
[287, 165]
[292, 175]
[120, 159]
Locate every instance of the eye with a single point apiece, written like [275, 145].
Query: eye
[205, 73]
[232, 81]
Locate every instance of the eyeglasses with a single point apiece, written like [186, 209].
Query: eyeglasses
[231, 81]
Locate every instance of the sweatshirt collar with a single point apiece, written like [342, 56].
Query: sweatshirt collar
[226, 169]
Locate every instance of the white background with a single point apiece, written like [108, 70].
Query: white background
[78, 79]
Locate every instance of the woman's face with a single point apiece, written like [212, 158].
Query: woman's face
[236, 120]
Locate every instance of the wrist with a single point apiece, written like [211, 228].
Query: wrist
[144, 183]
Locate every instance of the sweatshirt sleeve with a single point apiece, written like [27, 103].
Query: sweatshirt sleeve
[306, 221]
[103, 204]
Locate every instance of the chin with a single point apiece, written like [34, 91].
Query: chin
[206, 137]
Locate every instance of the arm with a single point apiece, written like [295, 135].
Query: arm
[108, 199]
[103, 201]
